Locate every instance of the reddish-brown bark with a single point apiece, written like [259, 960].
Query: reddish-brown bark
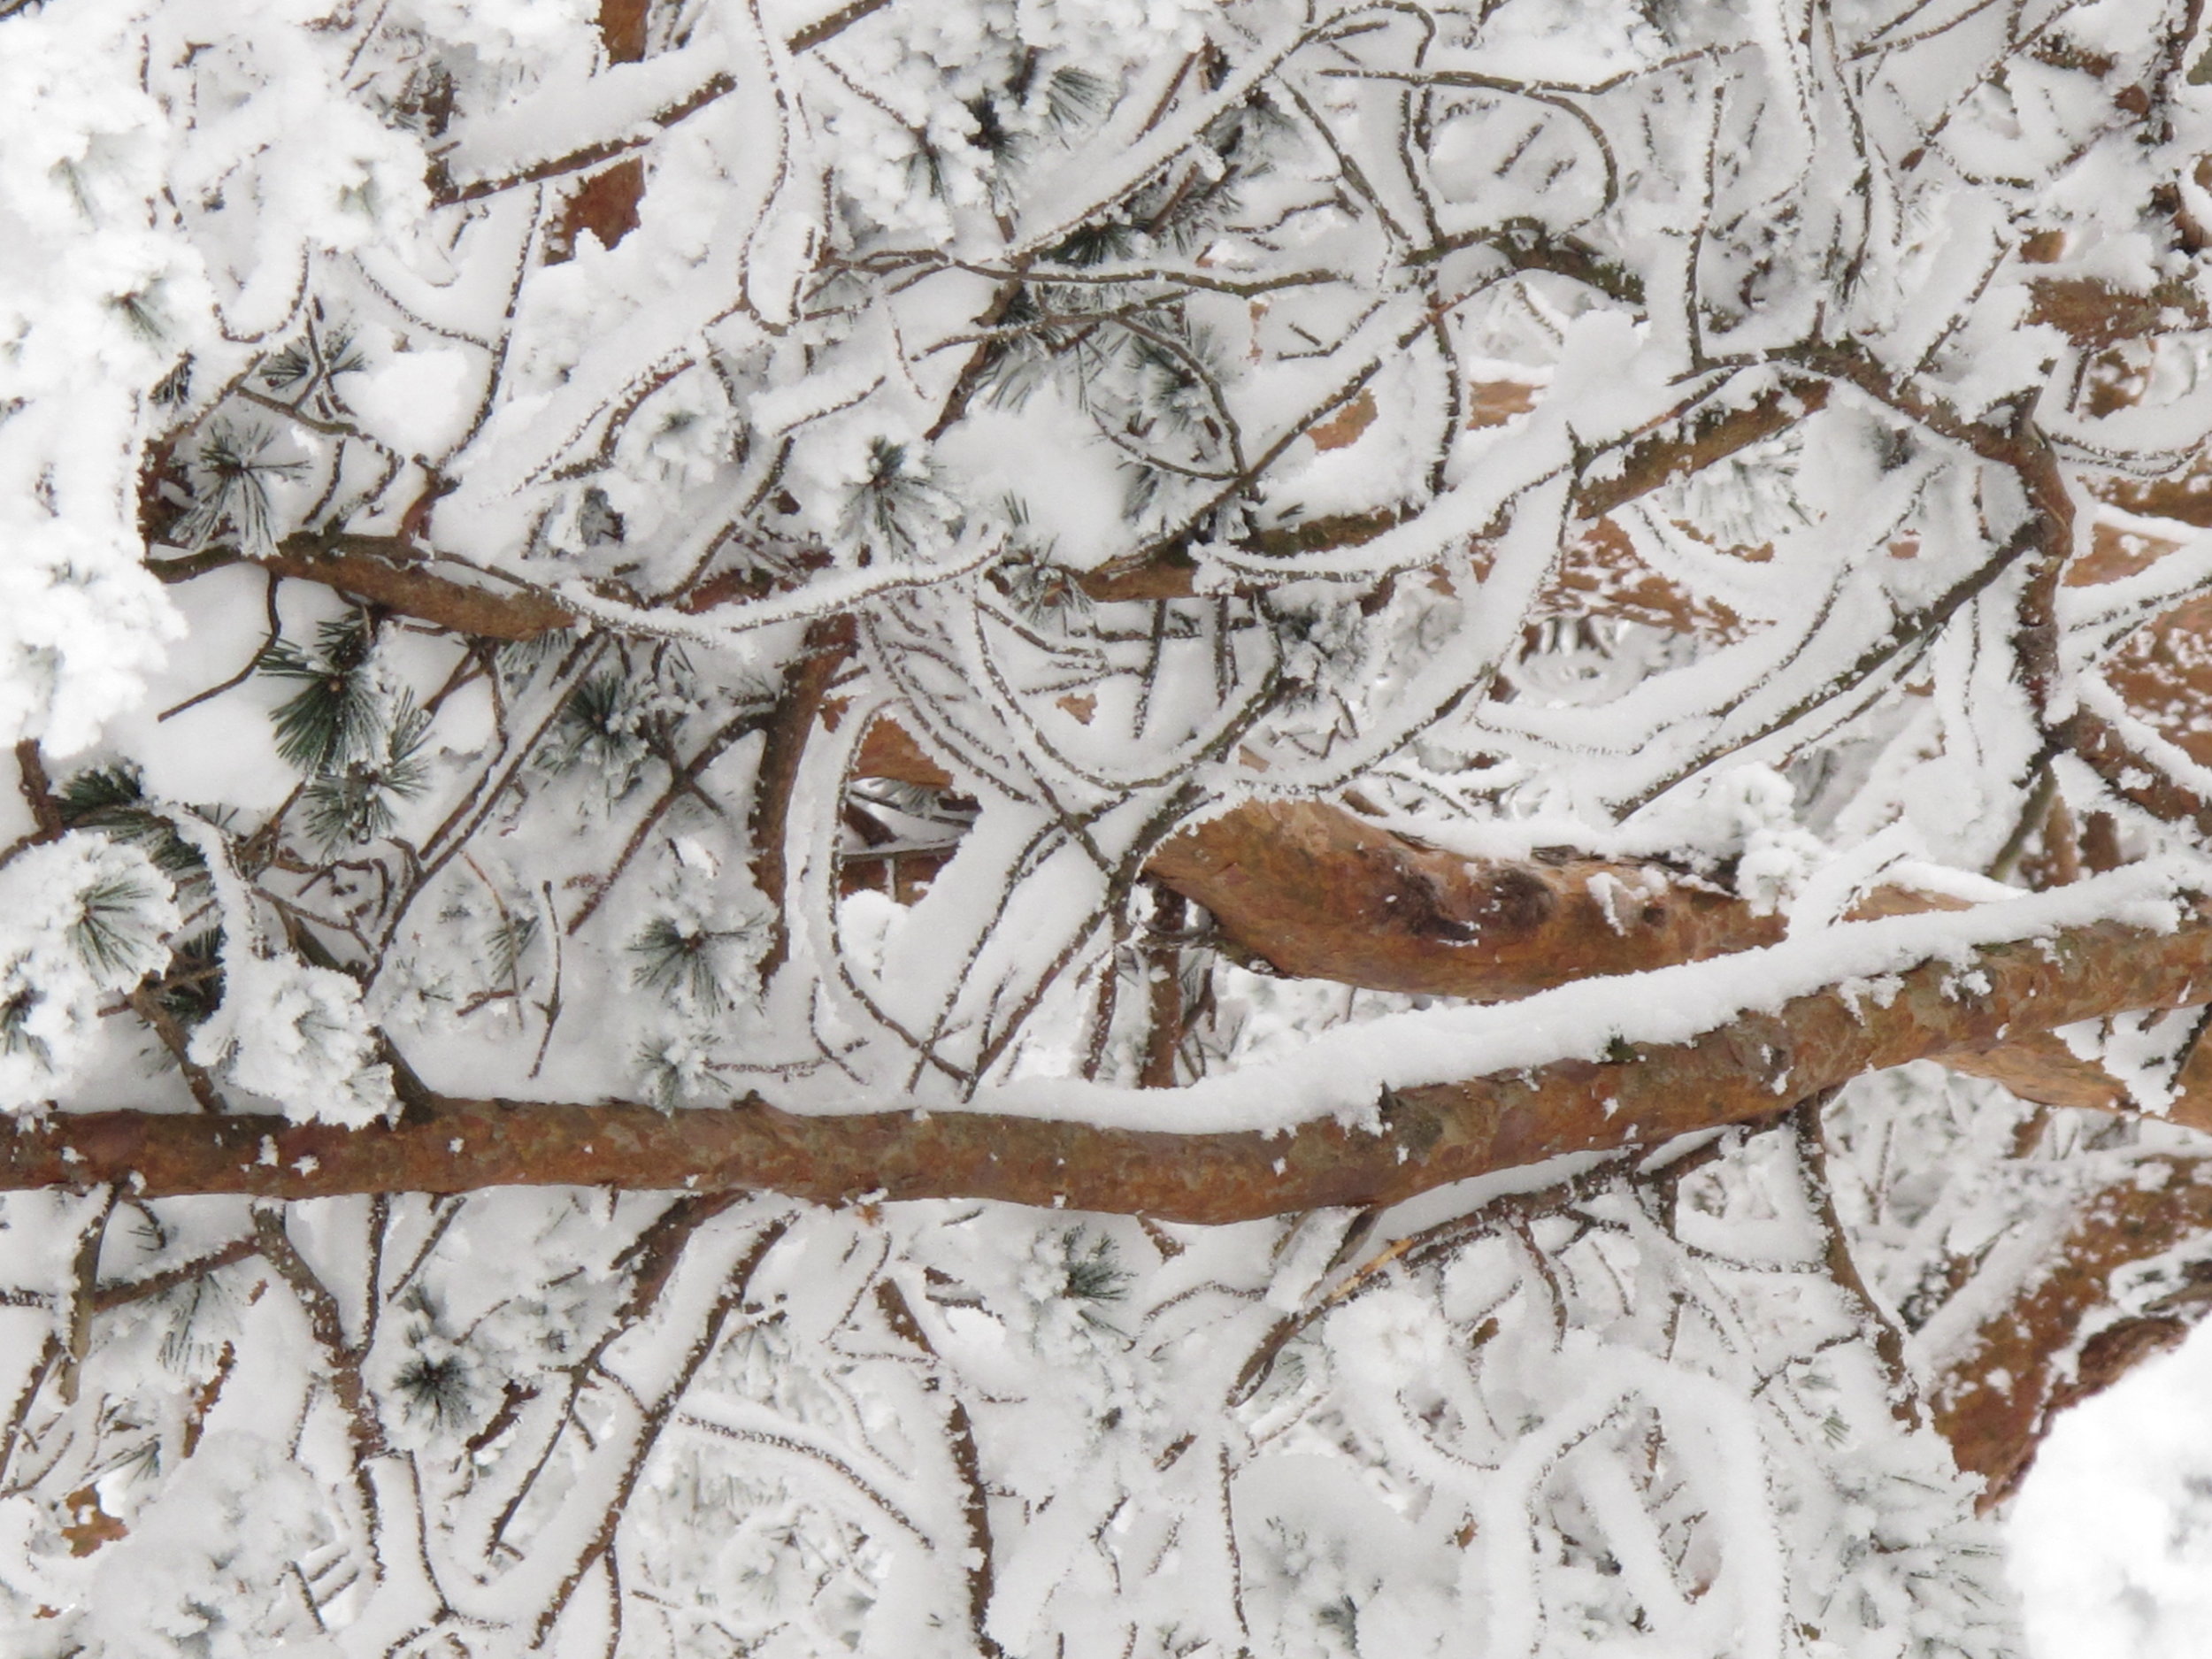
[1321, 893]
[606, 204]
[387, 571]
[1748, 1071]
[806, 684]
[2052, 1343]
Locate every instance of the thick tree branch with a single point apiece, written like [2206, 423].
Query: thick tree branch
[393, 573]
[1748, 1071]
[1321, 893]
[1315, 891]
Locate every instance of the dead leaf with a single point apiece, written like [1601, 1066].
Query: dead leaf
[1494, 403]
[1345, 425]
[91, 1525]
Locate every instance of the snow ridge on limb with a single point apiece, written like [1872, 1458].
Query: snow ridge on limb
[1315, 890]
[1752, 1066]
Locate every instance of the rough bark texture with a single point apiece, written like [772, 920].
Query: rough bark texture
[1748, 1072]
[387, 571]
[1323, 895]
[2056, 1341]
[1315, 891]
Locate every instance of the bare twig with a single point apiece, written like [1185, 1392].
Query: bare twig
[898, 1313]
[806, 683]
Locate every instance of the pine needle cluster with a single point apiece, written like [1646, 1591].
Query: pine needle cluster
[359, 746]
[231, 478]
[15, 1036]
[1094, 1274]
[357, 803]
[302, 363]
[335, 718]
[110, 933]
[897, 507]
[113, 799]
[682, 958]
[436, 1386]
[601, 727]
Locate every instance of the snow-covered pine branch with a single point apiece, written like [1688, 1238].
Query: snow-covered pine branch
[1059, 826]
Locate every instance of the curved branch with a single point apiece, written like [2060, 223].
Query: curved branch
[1312, 890]
[1688, 443]
[449, 192]
[806, 684]
[2055, 1340]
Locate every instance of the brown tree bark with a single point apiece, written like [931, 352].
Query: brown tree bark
[2055, 1340]
[1748, 1070]
[1321, 893]
[1317, 892]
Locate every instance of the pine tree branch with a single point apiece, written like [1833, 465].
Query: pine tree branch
[38, 791]
[1317, 892]
[806, 684]
[655, 1417]
[121, 1293]
[1321, 893]
[1693, 441]
[975, 1503]
[394, 572]
[447, 192]
[1748, 1071]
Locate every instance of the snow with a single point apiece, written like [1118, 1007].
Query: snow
[1581, 1019]
[87, 920]
[417, 401]
[2110, 1538]
[915, 328]
[624, 101]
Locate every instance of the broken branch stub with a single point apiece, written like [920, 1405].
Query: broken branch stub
[1321, 893]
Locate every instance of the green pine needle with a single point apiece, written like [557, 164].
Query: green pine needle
[1073, 95]
[193, 988]
[1095, 244]
[296, 361]
[15, 1022]
[97, 793]
[230, 483]
[438, 1388]
[357, 803]
[511, 941]
[110, 934]
[112, 798]
[336, 719]
[601, 727]
[681, 959]
[1096, 1274]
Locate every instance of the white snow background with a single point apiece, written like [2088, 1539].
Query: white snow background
[2111, 1533]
